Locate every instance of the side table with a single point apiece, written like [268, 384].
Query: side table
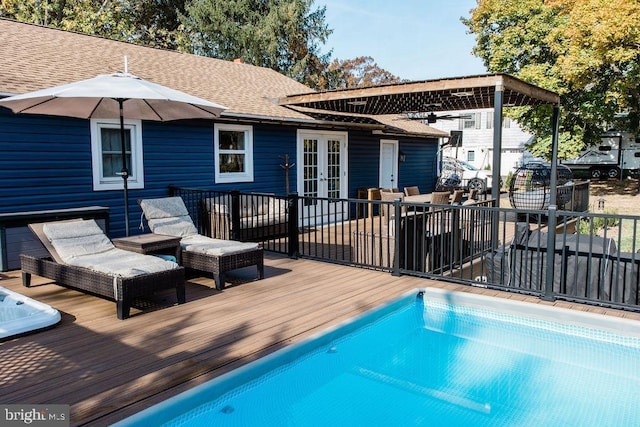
[150, 244]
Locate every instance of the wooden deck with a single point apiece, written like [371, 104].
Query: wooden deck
[108, 369]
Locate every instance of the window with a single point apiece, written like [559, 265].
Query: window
[506, 121]
[471, 122]
[471, 156]
[233, 150]
[106, 154]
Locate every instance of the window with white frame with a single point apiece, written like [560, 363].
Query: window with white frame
[470, 121]
[233, 150]
[471, 156]
[106, 154]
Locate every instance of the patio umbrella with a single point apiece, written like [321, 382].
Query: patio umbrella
[111, 96]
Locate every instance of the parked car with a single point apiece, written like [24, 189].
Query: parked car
[471, 176]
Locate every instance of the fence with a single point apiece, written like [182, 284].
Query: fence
[595, 257]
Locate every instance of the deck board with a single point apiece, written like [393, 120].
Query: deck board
[108, 369]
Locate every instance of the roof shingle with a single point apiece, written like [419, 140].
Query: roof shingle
[36, 57]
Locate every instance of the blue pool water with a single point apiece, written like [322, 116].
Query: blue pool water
[433, 358]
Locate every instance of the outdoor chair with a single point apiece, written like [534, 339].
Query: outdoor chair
[387, 209]
[440, 198]
[456, 199]
[83, 258]
[169, 216]
[411, 191]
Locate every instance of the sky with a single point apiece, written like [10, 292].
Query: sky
[412, 39]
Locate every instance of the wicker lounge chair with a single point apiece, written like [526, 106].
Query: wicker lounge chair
[170, 216]
[81, 255]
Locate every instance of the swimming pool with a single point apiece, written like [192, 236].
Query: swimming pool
[20, 314]
[433, 357]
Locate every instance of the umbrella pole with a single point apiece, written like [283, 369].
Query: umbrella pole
[125, 171]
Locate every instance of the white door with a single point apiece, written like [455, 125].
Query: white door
[388, 163]
[322, 174]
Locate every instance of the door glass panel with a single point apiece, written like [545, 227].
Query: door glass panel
[310, 178]
[333, 172]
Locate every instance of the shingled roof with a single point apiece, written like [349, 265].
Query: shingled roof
[36, 57]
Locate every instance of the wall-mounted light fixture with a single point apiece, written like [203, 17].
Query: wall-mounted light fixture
[402, 157]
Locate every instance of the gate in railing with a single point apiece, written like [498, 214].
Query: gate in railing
[594, 255]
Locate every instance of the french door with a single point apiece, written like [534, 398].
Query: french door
[322, 176]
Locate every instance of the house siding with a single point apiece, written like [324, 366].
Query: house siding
[364, 162]
[45, 163]
[419, 167]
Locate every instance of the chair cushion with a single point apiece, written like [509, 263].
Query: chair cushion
[72, 239]
[169, 216]
[123, 263]
[215, 247]
[82, 243]
[165, 207]
[176, 226]
[36, 229]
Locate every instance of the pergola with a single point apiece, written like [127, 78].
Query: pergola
[461, 93]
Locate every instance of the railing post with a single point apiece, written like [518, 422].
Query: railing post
[293, 238]
[397, 209]
[235, 215]
[551, 253]
[456, 236]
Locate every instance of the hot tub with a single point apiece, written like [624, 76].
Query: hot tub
[20, 314]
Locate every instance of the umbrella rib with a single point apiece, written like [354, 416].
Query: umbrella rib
[204, 109]
[154, 110]
[34, 105]
[95, 107]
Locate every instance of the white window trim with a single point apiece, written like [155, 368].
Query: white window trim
[136, 169]
[246, 176]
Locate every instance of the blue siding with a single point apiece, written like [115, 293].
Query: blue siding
[45, 163]
[364, 162]
[419, 167]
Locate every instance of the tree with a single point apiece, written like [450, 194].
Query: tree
[357, 72]
[284, 35]
[148, 22]
[587, 51]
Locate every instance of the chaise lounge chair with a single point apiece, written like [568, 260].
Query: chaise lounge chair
[83, 258]
[169, 216]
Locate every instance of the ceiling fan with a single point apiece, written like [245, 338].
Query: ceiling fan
[432, 117]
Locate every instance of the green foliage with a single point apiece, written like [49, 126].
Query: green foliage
[149, 22]
[587, 51]
[284, 35]
[595, 224]
[508, 180]
[357, 72]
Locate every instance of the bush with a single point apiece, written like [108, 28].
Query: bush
[597, 223]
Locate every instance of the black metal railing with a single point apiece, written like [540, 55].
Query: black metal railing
[594, 255]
